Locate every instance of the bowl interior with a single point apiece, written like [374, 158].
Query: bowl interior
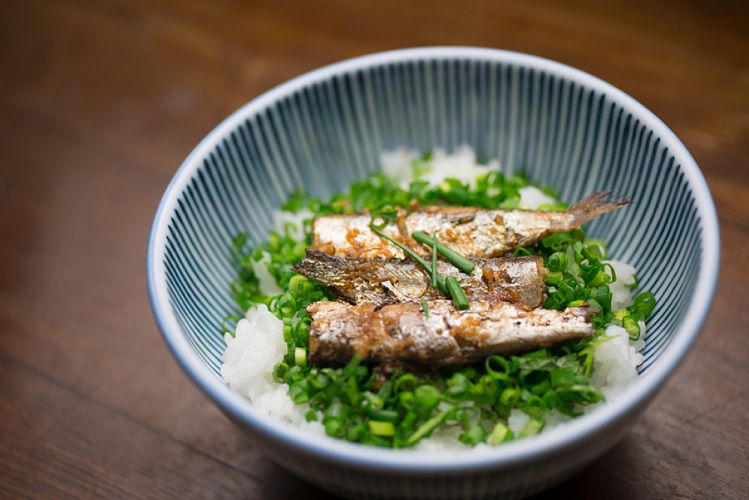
[326, 129]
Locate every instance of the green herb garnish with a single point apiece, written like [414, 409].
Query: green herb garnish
[456, 292]
[448, 253]
[425, 308]
[434, 263]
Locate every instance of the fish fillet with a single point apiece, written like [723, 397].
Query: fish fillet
[469, 231]
[519, 280]
[402, 334]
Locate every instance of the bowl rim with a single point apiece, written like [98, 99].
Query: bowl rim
[414, 461]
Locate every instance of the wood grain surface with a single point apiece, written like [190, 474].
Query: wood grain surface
[101, 100]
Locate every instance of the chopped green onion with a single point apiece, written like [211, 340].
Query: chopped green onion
[434, 262]
[458, 384]
[612, 271]
[633, 329]
[310, 416]
[554, 277]
[299, 391]
[602, 295]
[556, 239]
[600, 278]
[425, 308]
[406, 381]
[279, 371]
[427, 428]
[557, 261]
[499, 434]
[384, 415]
[501, 372]
[426, 397]
[562, 378]
[532, 428]
[385, 214]
[473, 435]
[385, 429]
[465, 265]
[374, 400]
[521, 251]
[595, 249]
[333, 426]
[643, 306]
[631, 286]
[456, 292]
[537, 354]
[509, 396]
[298, 283]
[406, 399]
[300, 356]
[356, 433]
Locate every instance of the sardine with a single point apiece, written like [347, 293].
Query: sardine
[519, 280]
[469, 231]
[405, 335]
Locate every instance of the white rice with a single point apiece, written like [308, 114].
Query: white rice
[462, 165]
[258, 343]
[293, 221]
[283, 221]
[615, 361]
[531, 198]
[250, 356]
[621, 289]
[517, 421]
[266, 282]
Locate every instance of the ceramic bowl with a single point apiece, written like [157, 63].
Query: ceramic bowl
[325, 129]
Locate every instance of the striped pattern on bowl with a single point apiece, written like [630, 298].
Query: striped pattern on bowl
[326, 130]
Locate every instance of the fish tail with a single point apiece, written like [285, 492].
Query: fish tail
[595, 205]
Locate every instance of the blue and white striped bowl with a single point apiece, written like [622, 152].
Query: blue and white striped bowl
[325, 129]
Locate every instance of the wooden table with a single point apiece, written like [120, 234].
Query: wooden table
[101, 100]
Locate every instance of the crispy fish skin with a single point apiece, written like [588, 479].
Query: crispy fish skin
[519, 280]
[401, 334]
[471, 232]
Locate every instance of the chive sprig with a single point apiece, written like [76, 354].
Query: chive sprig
[450, 255]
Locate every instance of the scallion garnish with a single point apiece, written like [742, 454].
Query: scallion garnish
[456, 292]
[474, 435]
[385, 429]
[453, 257]
[499, 434]
[633, 329]
[532, 428]
[425, 308]
[434, 262]
[426, 429]
[300, 356]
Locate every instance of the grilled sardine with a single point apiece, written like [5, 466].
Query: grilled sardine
[469, 231]
[520, 280]
[402, 334]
